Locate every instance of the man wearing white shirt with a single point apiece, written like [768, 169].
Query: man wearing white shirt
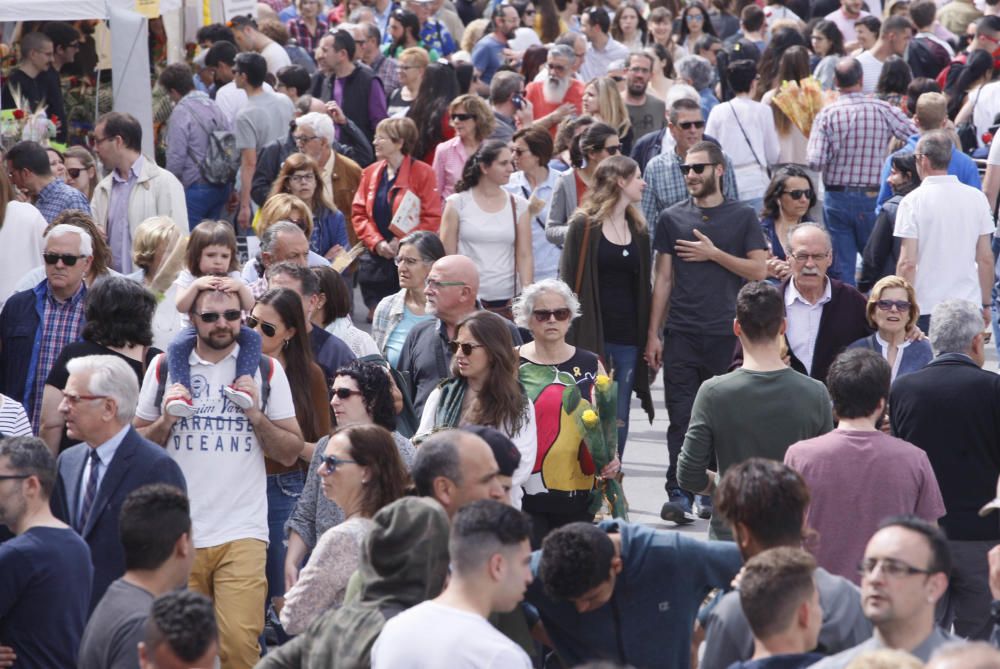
[248, 38]
[230, 98]
[745, 129]
[946, 228]
[490, 570]
[893, 40]
[849, 12]
[602, 48]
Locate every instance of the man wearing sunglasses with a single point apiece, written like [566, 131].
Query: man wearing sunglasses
[707, 246]
[221, 453]
[36, 324]
[28, 166]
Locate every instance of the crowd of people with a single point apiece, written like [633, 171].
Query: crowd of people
[789, 208]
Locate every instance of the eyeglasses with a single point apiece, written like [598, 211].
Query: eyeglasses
[543, 315]
[74, 172]
[98, 140]
[613, 149]
[887, 305]
[409, 262]
[303, 178]
[806, 257]
[331, 462]
[466, 347]
[73, 400]
[67, 259]
[345, 393]
[13, 477]
[462, 117]
[799, 193]
[639, 70]
[890, 568]
[434, 284]
[301, 140]
[268, 329]
[687, 125]
[697, 168]
[229, 314]
[694, 17]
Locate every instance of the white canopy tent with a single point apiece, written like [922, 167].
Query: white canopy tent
[131, 87]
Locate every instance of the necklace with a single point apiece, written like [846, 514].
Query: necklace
[622, 237]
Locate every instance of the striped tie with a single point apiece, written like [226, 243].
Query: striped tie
[91, 492]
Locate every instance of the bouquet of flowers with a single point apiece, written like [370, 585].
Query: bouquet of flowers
[801, 101]
[599, 426]
[23, 123]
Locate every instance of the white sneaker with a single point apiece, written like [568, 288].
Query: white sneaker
[238, 397]
[180, 407]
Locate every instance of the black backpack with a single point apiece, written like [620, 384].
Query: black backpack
[926, 57]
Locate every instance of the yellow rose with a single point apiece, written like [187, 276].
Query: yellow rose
[603, 381]
[590, 418]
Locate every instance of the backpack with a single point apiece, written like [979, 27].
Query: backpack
[926, 57]
[266, 368]
[222, 158]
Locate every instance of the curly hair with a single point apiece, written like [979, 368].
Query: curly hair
[119, 312]
[376, 391]
[576, 558]
[373, 446]
[478, 109]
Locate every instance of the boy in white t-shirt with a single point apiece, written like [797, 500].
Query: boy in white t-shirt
[490, 558]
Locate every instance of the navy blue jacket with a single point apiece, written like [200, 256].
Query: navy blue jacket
[136, 463]
[648, 147]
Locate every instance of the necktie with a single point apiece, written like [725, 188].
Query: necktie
[91, 491]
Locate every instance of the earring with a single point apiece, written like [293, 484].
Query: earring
[364, 481]
[285, 345]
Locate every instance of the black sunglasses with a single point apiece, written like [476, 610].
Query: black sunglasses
[543, 315]
[345, 393]
[466, 347]
[687, 125]
[613, 150]
[268, 329]
[462, 117]
[697, 167]
[228, 314]
[74, 172]
[799, 193]
[13, 477]
[331, 462]
[53, 258]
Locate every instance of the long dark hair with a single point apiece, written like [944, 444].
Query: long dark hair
[895, 77]
[437, 89]
[502, 400]
[907, 164]
[376, 391]
[590, 140]
[298, 358]
[781, 39]
[706, 25]
[550, 21]
[532, 61]
[485, 155]
[831, 31]
[793, 66]
[979, 63]
[410, 23]
[373, 446]
[777, 186]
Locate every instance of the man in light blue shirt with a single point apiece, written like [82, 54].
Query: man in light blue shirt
[487, 56]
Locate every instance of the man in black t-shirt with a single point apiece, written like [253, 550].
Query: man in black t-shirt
[707, 247]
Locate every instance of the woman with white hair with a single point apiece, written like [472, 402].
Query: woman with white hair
[700, 74]
[558, 489]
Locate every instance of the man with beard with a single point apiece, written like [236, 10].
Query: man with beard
[560, 95]
[706, 247]
[221, 453]
[487, 56]
[646, 112]
[903, 575]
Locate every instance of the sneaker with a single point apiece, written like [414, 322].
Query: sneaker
[180, 407]
[678, 508]
[238, 397]
[703, 506]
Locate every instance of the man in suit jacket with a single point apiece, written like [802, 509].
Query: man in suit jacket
[951, 409]
[97, 475]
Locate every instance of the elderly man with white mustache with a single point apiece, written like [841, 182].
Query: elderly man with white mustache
[560, 94]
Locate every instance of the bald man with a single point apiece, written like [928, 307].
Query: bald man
[451, 289]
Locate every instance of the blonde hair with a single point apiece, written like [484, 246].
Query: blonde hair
[149, 236]
[481, 113]
[885, 658]
[473, 33]
[402, 130]
[883, 284]
[602, 197]
[610, 105]
[282, 207]
[415, 55]
[295, 163]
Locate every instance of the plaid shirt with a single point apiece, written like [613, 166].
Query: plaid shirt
[61, 324]
[299, 31]
[387, 70]
[388, 315]
[850, 139]
[665, 186]
[57, 197]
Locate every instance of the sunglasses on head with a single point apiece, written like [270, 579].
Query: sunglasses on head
[543, 315]
[344, 393]
[466, 347]
[886, 305]
[462, 117]
[687, 125]
[268, 329]
[67, 259]
[799, 193]
[229, 314]
[331, 462]
[698, 168]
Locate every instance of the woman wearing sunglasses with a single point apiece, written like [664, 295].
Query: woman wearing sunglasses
[694, 23]
[484, 390]
[787, 200]
[361, 472]
[81, 170]
[277, 317]
[473, 122]
[607, 258]
[363, 394]
[893, 312]
[558, 489]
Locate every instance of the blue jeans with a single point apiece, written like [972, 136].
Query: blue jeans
[204, 201]
[850, 217]
[283, 491]
[622, 360]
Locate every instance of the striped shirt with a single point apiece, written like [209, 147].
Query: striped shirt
[850, 139]
[13, 420]
[61, 324]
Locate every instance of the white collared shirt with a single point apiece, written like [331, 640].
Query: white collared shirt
[803, 322]
[899, 353]
[105, 452]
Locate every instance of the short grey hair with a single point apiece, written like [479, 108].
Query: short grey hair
[954, 324]
[110, 376]
[30, 455]
[681, 91]
[269, 239]
[696, 70]
[937, 146]
[437, 456]
[321, 124]
[564, 51]
[504, 86]
[524, 304]
[810, 225]
[86, 243]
